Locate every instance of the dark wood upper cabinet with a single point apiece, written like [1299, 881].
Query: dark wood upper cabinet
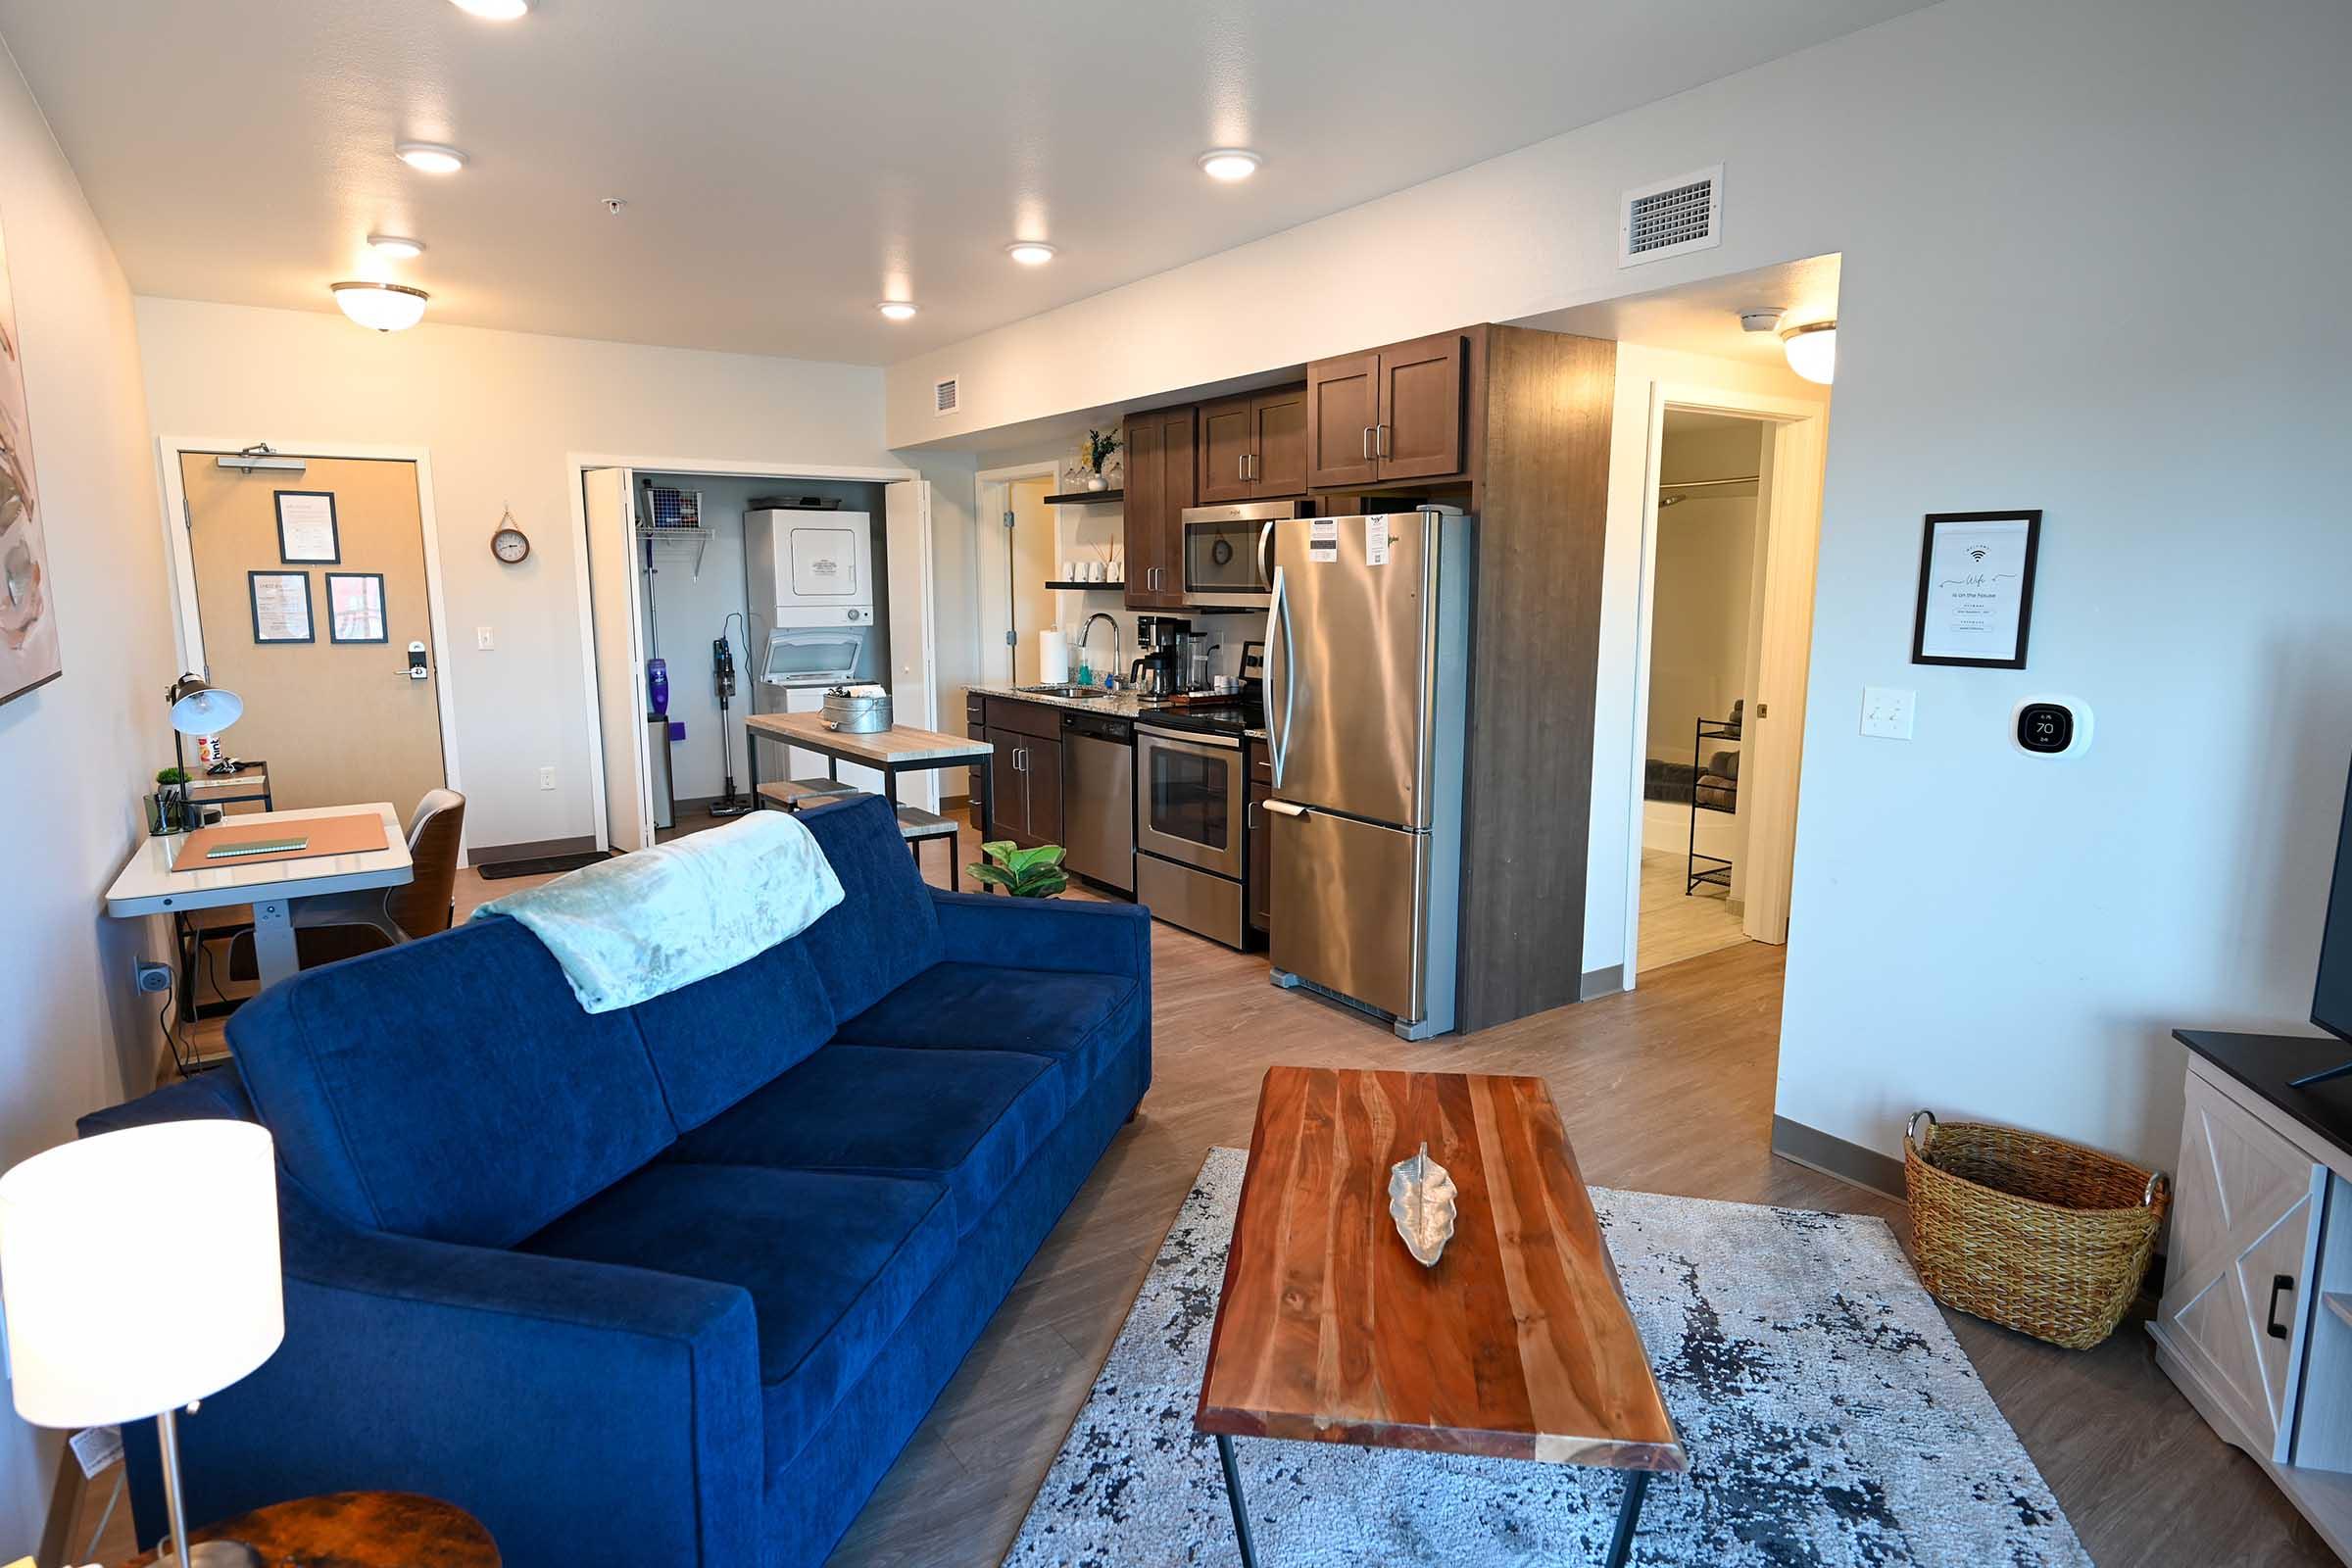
[1225, 429]
[1419, 432]
[1159, 486]
[1393, 413]
[1342, 405]
[1253, 448]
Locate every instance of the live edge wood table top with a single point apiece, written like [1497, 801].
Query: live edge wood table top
[1517, 1344]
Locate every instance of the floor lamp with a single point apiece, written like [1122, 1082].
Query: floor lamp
[89, 1231]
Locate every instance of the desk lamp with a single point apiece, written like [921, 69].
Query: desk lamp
[85, 1239]
[198, 708]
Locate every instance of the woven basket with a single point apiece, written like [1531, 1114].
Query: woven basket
[2038, 1234]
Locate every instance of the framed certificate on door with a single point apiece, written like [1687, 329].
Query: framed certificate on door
[1976, 589]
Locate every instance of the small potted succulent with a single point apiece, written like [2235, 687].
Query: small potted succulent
[1025, 873]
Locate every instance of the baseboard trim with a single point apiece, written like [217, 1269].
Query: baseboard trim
[1815, 1150]
[492, 853]
[1601, 982]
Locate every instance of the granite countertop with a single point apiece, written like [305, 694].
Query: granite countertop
[1120, 704]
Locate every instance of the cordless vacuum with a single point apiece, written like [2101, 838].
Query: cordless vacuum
[722, 682]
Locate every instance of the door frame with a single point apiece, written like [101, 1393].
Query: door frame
[575, 465]
[188, 628]
[1792, 542]
[991, 491]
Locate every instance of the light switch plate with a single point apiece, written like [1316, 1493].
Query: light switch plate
[484, 637]
[1886, 711]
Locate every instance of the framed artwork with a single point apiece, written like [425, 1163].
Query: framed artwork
[29, 651]
[305, 528]
[281, 607]
[1976, 589]
[355, 606]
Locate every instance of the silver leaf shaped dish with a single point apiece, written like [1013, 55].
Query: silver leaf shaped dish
[1421, 1201]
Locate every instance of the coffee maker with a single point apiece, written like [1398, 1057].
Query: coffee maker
[1160, 668]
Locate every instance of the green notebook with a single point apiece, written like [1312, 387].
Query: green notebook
[237, 852]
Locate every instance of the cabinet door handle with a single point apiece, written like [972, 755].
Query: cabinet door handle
[1380, 440]
[1367, 443]
[1241, 467]
[2270, 1319]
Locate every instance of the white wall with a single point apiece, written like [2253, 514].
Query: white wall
[500, 412]
[1705, 577]
[2065, 284]
[74, 754]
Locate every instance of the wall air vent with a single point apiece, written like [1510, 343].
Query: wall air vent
[1671, 216]
[946, 395]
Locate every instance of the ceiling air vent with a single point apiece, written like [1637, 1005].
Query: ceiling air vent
[946, 395]
[1671, 216]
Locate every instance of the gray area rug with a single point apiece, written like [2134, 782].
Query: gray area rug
[1830, 1415]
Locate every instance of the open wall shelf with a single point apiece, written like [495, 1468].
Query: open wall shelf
[1097, 587]
[1086, 498]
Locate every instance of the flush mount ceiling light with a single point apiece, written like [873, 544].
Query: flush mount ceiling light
[1812, 351]
[495, 10]
[395, 246]
[897, 310]
[1229, 164]
[431, 156]
[386, 306]
[1030, 252]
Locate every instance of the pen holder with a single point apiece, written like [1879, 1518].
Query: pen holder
[168, 812]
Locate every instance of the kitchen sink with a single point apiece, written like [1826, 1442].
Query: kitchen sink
[1067, 689]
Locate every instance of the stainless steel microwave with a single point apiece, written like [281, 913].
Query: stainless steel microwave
[1227, 554]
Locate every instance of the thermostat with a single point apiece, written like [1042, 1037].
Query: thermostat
[2052, 726]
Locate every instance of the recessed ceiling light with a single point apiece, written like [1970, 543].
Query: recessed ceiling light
[393, 245]
[494, 10]
[1812, 351]
[1030, 252]
[431, 156]
[897, 310]
[386, 306]
[1229, 164]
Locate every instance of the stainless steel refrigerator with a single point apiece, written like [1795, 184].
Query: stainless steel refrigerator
[1367, 670]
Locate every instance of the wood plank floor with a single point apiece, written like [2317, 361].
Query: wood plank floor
[1677, 925]
[1666, 1089]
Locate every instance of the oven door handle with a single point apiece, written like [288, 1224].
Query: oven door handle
[1205, 745]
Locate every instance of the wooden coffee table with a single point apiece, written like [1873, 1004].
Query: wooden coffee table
[357, 1530]
[1517, 1344]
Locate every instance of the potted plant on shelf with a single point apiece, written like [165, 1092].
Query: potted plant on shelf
[1025, 873]
[1100, 445]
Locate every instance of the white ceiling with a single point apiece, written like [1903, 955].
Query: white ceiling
[788, 165]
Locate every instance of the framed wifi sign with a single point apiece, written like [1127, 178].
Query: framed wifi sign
[1976, 589]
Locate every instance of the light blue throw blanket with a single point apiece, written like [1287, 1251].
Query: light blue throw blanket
[640, 925]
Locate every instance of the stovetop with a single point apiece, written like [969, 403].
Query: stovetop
[1216, 719]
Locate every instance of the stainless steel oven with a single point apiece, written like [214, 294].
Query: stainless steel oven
[1189, 794]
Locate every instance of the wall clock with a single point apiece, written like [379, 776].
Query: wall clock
[509, 544]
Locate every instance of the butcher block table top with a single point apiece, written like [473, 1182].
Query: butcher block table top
[1517, 1344]
[899, 744]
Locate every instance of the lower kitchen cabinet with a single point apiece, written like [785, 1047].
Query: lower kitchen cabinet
[1026, 768]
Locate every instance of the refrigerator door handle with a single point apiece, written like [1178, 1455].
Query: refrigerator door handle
[1279, 619]
[1266, 551]
[1284, 808]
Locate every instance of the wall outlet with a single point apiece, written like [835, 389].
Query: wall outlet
[151, 977]
[546, 778]
[1886, 711]
[484, 638]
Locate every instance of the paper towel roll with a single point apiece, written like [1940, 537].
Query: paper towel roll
[1053, 655]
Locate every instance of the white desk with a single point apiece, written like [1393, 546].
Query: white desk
[148, 885]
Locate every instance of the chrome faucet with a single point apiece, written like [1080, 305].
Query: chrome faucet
[1086, 640]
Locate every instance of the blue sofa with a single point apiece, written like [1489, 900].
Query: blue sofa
[673, 1285]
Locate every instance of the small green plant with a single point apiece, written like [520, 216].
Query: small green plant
[1025, 873]
[1100, 445]
[171, 775]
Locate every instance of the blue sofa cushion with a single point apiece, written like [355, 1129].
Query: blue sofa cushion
[969, 1119]
[833, 1262]
[884, 931]
[449, 1088]
[716, 1041]
[1079, 1019]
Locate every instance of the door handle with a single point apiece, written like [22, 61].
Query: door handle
[1367, 443]
[1380, 441]
[1241, 467]
[1284, 808]
[1278, 616]
[2270, 1318]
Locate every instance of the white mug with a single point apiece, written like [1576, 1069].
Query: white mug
[1093, 571]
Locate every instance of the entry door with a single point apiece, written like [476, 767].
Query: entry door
[622, 697]
[336, 714]
[912, 678]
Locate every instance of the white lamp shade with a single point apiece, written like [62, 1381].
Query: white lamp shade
[386, 306]
[1812, 352]
[207, 711]
[140, 1270]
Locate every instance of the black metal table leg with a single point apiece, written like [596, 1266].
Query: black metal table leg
[1629, 1516]
[1241, 1509]
[750, 763]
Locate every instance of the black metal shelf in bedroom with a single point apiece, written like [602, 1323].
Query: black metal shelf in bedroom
[1718, 871]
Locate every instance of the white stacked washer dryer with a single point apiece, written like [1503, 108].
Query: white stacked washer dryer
[810, 576]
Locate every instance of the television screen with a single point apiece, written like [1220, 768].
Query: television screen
[2332, 999]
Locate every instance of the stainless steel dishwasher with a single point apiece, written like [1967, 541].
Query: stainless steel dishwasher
[1097, 805]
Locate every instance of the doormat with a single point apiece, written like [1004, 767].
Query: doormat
[1829, 1416]
[541, 864]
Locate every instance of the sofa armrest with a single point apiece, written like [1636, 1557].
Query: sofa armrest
[584, 1413]
[1068, 935]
